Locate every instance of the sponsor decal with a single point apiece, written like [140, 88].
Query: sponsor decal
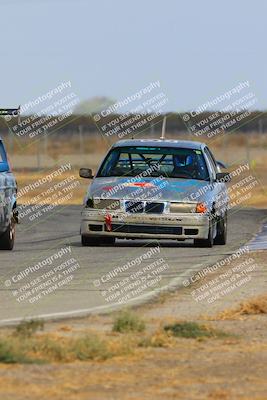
[131, 184]
[139, 184]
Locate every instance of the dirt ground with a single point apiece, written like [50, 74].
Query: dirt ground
[231, 367]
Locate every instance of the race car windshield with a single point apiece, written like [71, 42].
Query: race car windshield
[154, 161]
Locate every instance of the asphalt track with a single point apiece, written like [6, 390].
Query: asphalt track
[85, 286]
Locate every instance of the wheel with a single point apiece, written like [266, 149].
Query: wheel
[206, 242]
[97, 241]
[221, 236]
[7, 239]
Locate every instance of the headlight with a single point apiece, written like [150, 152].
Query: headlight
[182, 207]
[103, 204]
[90, 203]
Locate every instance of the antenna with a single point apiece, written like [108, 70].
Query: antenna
[18, 114]
[163, 131]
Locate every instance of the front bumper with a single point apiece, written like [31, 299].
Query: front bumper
[143, 226]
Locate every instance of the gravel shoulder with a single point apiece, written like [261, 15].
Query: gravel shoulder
[234, 367]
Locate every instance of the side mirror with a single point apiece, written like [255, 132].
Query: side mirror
[86, 173]
[223, 177]
[4, 167]
[221, 164]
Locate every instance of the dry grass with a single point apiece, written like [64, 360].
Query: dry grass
[127, 321]
[151, 365]
[51, 347]
[257, 305]
[158, 366]
[192, 330]
[40, 194]
[26, 345]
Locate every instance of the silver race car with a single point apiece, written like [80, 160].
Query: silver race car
[163, 189]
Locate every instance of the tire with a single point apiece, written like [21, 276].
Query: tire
[206, 242]
[221, 237]
[7, 239]
[97, 241]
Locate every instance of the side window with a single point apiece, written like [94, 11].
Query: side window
[2, 157]
[212, 165]
[124, 161]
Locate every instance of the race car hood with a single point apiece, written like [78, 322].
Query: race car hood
[165, 189]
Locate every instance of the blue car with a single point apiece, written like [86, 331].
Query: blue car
[8, 202]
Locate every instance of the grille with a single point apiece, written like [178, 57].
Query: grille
[141, 206]
[158, 230]
[155, 208]
[96, 228]
[191, 232]
[134, 206]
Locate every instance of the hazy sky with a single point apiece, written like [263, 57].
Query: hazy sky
[197, 49]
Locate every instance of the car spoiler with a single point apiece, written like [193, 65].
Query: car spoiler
[13, 112]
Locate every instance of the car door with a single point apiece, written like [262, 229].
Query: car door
[7, 189]
[219, 195]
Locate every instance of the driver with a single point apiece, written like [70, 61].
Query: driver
[177, 161]
[184, 165]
